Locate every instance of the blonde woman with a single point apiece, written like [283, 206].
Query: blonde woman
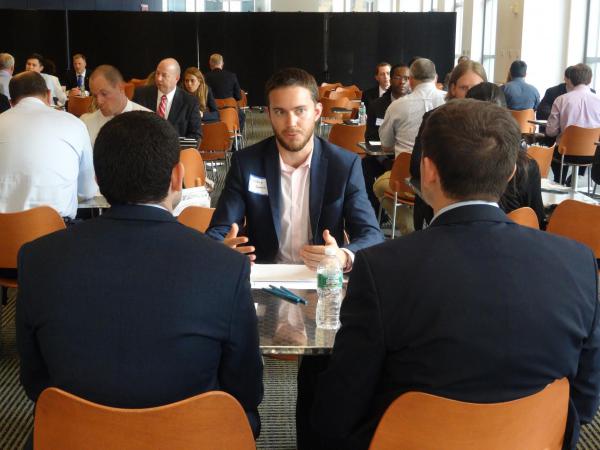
[194, 84]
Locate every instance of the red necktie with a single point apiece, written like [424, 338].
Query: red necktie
[162, 108]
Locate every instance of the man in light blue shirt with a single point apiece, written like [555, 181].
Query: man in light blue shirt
[7, 66]
[519, 94]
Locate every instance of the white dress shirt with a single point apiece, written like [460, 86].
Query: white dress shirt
[96, 120]
[53, 84]
[404, 116]
[45, 159]
[5, 77]
[170, 96]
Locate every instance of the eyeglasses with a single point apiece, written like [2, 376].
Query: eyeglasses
[400, 77]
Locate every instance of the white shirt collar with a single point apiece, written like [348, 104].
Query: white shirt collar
[154, 205]
[382, 91]
[452, 206]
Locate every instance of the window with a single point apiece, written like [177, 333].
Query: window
[592, 42]
[459, 9]
[488, 57]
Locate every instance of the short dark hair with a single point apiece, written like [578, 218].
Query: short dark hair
[518, 69]
[474, 146]
[580, 74]
[27, 84]
[292, 76]
[398, 66]
[37, 56]
[488, 92]
[381, 64]
[134, 155]
[568, 72]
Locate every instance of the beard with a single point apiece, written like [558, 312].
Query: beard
[295, 147]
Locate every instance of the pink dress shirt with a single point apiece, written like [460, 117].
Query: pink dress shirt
[579, 107]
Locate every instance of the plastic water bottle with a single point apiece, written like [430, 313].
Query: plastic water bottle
[362, 114]
[329, 290]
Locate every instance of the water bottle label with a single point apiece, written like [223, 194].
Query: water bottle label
[328, 281]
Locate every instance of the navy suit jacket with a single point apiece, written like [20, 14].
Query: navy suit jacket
[184, 114]
[223, 83]
[134, 310]
[337, 199]
[70, 78]
[369, 95]
[474, 308]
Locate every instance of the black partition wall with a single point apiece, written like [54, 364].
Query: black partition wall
[342, 47]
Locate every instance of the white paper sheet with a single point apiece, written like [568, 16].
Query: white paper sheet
[374, 142]
[292, 276]
[197, 196]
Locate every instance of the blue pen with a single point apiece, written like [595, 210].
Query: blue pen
[280, 294]
[302, 300]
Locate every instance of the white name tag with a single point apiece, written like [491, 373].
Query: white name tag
[258, 185]
[378, 122]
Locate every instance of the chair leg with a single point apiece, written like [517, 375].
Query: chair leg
[562, 163]
[574, 176]
[394, 216]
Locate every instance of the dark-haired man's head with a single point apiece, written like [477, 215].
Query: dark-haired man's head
[136, 159]
[34, 63]
[518, 69]
[28, 84]
[579, 74]
[470, 150]
[487, 92]
[400, 77]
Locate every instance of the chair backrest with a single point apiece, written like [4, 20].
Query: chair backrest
[196, 217]
[79, 105]
[230, 118]
[525, 216]
[216, 140]
[129, 89]
[18, 228]
[228, 102]
[212, 420]
[348, 136]
[344, 92]
[578, 141]
[138, 81]
[330, 103]
[522, 117]
[243, 101]
[422, 421]
[543, 156]
[579, 221]
[194, 175]
[400, 172]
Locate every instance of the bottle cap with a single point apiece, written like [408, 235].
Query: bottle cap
[330, 251]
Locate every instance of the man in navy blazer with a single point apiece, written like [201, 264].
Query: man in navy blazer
[475, 308]
[134, 309]
[171, 102]
[296, 192]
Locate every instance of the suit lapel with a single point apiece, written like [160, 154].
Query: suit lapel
[176, 106]
[318, 179]
[273, 176]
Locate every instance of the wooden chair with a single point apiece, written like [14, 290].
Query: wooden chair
[327, 87]
[228, 102]
[543, 156]
[19, 228]
[138, 81]
[579, 221]
[525, 216]
[79, 105]
[427, 422]
[215, 145]
[399, 190]
[229, 116]
[351, 94]
[329, 117]
[212, 420]
[577, 141]
[348, 137]
[196, 217]
[129, 89]
[522, 117]
[195, 174]
[243, 101]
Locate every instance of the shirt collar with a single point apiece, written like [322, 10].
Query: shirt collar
[170, 95]
[31, 101]
[452, 206]
[154, 205]
[289, 169]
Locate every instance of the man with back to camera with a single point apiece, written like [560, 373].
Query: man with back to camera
[106, 85]
[115, 310]
[7, 67]
[382, 75]
[171, 102]
[223, 83]
[469, 331]
[519, 94]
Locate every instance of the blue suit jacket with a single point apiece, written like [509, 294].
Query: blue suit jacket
[133, 310]
[474, 308]
[337, 199]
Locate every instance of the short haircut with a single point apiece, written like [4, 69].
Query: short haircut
[580, 74]
[462, 58]
[110, 73]
[474, 146]
[37, 56]
[381, 64]
[289, 77]
[215, 59]
[488, 92]
[568, 72]
[27, 84]
[79, 56]
[134, 156]
[397, 66]
[518, 69]
[7, 61]
[461, 69]
[423, 69]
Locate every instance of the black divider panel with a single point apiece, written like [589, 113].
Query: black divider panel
[26, 32]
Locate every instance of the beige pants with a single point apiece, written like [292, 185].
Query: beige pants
[404, 213]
